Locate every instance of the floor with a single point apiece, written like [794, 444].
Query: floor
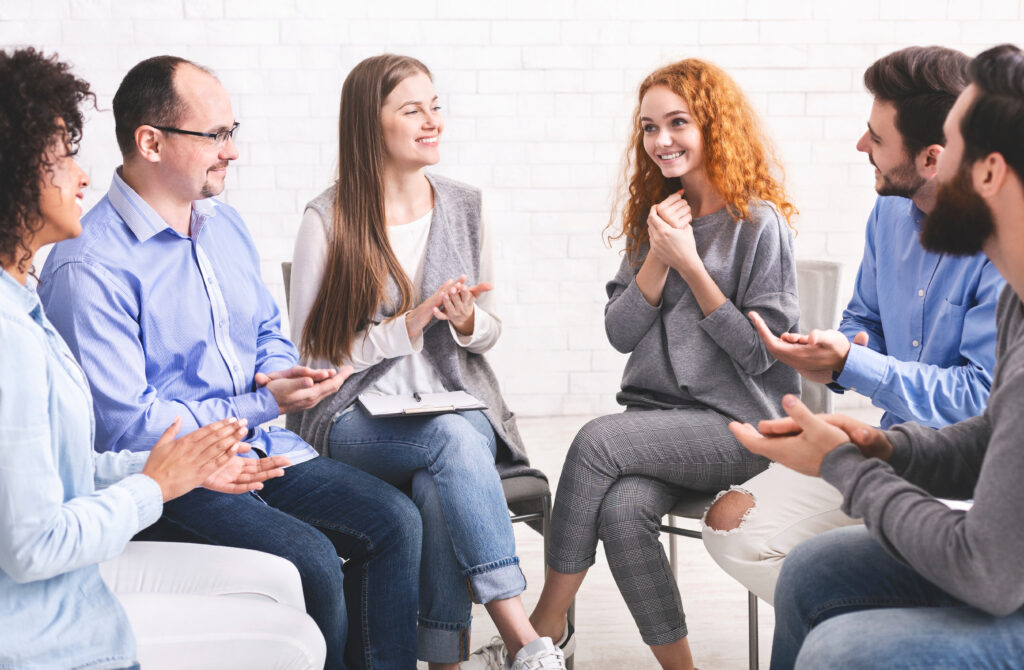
[606, 638]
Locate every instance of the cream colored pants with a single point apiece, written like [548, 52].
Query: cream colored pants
[198, 606]
[788, 508]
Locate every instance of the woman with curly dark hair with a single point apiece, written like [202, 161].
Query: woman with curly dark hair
[63, 507]
[706, 226]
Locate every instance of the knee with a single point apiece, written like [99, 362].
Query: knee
[729, 511]
[833, 644]
[626, 514]
[589, 444]
[456, 443]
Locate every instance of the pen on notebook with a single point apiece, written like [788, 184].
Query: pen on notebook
[416, 394]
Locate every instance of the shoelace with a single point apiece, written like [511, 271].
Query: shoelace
[493, 654]
[544, 660]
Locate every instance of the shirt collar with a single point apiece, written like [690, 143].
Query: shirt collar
[142, 219]
[22, 297]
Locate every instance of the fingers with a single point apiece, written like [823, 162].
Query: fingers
[783, 426]
[172, 430]
[766, 335]
[799, 412]
[861, 338]
[482, 287]
[749, 437]
[261, 379]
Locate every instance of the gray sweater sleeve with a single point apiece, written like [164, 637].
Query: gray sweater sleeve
[977, 555]
[767, 285]
[627, 315]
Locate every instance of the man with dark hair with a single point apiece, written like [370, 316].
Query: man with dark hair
[917, 337]
[922, 585]
[162, 302]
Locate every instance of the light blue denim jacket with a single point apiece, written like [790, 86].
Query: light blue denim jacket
[63, 507]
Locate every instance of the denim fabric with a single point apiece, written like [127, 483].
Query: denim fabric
[318, 511]
[468, 547]
[63, 508]
[842, 601]
[169, 325]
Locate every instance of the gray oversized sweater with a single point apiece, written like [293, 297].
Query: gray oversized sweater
[976, 555]
[453, 248]
[679, 357]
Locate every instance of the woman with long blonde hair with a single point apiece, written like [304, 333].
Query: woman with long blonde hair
[392, 275]
[707, 239]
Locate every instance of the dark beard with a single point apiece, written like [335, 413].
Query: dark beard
[961, 220]
[903, 181]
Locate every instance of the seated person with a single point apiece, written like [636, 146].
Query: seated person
[921, 585]
[707, 239]
[918, 336]
[386, 236]
[65, 508]
[162, 303]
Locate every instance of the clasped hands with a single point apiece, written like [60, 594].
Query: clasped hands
[803, 439]
[299, 387]
[671, 235]
[453, 301]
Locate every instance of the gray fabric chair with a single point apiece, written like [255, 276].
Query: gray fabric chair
[818, 286]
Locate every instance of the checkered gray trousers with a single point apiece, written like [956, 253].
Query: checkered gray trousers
[622, 474]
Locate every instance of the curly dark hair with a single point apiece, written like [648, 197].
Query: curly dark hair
[38, 92]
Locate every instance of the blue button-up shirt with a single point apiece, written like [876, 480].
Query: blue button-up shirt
[168, 325]
[930, 320]
[63, 507]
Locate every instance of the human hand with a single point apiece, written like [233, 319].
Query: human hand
[815, 355]
[871, 441]
[457, 306]
[317, 375]
[294, 390]
[418, 317]
[671, 235]
[178, 466]
[240, 475]
[804, 448]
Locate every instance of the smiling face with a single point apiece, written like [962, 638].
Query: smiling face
[671, 136]
[195, 167]
[60, 195]
[895, 171]
[412, 124]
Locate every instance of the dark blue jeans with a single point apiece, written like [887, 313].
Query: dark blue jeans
[842, 601]
[318, 511]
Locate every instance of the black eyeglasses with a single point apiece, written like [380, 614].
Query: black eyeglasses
[220, 137]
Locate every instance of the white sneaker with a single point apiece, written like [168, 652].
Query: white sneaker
[491, 656]
[567, 643]
[540, 654]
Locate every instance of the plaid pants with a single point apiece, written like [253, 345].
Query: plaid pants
[622, 474]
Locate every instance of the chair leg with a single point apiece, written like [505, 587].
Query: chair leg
[752, 633]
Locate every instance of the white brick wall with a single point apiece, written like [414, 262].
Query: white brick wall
[537, 95]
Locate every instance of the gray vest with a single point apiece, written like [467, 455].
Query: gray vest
[453, 248]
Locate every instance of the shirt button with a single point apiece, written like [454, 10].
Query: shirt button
[915, 343]
[920, 292]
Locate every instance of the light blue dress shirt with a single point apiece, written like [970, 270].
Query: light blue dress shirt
[169, 325]
[930, 320]
[63, 507]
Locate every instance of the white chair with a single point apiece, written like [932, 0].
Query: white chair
[818, 287]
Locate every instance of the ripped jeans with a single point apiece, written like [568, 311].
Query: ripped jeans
[622, 474]
[788, 508]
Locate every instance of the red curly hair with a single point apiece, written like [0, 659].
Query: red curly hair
[738, 161]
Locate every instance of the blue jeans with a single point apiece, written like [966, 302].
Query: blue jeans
[448, 463]
[318, 511]
[842, 601]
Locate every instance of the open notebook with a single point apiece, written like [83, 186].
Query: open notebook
[417, 405]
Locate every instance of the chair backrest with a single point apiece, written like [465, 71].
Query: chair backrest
[818, 285]
[286, 273]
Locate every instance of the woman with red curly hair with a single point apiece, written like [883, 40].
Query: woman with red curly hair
[707, 238]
